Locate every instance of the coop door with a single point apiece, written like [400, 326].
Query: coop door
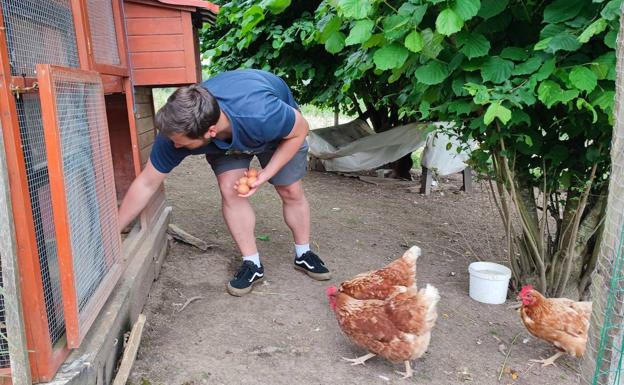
[83, 192]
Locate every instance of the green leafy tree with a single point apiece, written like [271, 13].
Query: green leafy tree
[531, 81]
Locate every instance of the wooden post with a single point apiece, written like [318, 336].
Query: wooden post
[18, 353]
[425, 181]
[467, 177]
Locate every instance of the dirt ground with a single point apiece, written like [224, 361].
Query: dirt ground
[285, 333]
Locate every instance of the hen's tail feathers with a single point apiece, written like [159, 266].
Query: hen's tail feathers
[432, 296]
[412, 254]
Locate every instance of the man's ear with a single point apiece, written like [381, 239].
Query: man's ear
[212, 132]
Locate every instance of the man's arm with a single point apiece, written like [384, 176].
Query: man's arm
[287, 148]
[140, 192]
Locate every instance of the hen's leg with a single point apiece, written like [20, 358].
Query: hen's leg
[408, 370]
[549, 361]
[359, 360]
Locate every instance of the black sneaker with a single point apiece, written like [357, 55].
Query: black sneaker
[248, 275]
[312, 265]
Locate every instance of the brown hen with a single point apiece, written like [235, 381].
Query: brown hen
[560, 321]
[383, 312]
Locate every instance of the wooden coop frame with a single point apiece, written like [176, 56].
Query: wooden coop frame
[129, 133]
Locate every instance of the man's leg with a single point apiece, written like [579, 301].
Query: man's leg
[237, 212]
[240, 220]
[296, 211]
[297, 216]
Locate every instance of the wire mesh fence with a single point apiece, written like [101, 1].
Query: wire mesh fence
[603, 363]
[104, 38]
[89, 184]
[39, 32]
[31, 132]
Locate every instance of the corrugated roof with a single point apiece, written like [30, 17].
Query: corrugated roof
[207, 9]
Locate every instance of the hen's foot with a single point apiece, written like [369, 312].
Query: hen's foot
[549, 361]
[359, 360]
[408, 370]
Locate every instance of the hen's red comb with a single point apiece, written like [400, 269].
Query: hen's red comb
[525, 289]
[331, 290]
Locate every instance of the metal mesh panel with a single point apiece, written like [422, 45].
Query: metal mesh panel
[39, 32]
[102, 25]
[89, 183]
[31, 132]
[605, 350]
[4, 346]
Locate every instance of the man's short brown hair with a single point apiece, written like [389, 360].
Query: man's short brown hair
[189, 111]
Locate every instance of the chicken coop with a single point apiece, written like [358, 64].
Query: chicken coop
[604, 360]
[77, 127]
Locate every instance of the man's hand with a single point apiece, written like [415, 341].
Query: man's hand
[261, 178]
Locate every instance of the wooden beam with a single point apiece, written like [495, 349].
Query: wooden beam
[130, 352]
[18, 352]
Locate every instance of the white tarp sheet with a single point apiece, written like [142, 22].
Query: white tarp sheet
[368, 151]
[354, 146]
[439, 159]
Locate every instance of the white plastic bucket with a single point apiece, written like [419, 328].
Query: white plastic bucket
[489, 282]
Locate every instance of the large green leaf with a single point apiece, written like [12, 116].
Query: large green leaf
[562, 10]
[361, 32]
[610, 38]
[605, 100]
[276, 6]
[583, 78]
[335, 43]
[251, 18]
[594, 29]
[332, 25]
[612, 10]
[356, 9]
[395, 26]
[496, 110]
[546, 69]
[496, 69]
[473, 44]
[414, 12]
[448, 22]
[467, 9]
[414, 41]
[514, 53]
[564, 41]
[433, 43]
[527, 67]
[491, 8]
[431, 73]
[551, 93]
[390, 56]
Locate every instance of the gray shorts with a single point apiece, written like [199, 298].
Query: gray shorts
[292, 171]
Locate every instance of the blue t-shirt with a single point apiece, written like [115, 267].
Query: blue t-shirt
[259, 106]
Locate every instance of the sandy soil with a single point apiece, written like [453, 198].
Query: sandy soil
[284, 332]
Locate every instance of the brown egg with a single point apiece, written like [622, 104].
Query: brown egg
[243, 189]
[252, 173]
[243, 180]
[251, 180]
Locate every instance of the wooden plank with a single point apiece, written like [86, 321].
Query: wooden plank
[467, 178]
[144, 110]
[18, 351]
[157, 43]
[154, 26]
[144, 125]
[134, 10]
[169, 59]
[189, 49]
[130, 352]
[153, 77]
[145, 153]
[146, 138]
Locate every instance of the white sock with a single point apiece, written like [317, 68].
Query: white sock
[301, 249]
[255, 258]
